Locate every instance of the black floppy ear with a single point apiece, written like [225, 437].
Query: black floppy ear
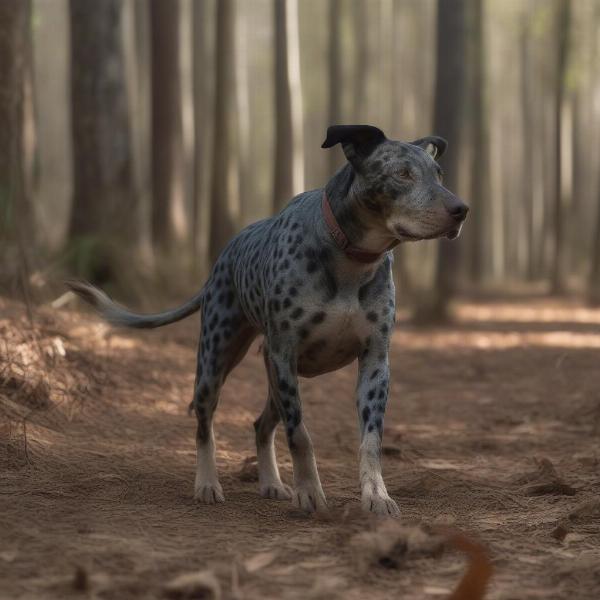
[358, 141]
[432, 144]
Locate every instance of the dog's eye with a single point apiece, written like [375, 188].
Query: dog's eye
[404, 174]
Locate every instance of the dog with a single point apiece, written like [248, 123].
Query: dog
[316, 281]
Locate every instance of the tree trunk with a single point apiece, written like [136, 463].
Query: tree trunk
[529, 173]
[385, 47]
[449, 94]
[594, 282]
[563, 18]
[200, 202]
[246, 181]
[104, 209]
[224, 188]
[168, 215]
[141, 109]
[335, 78]
[397, 93]
[16, 211]
[480, 147]
[361, 59]
[30, 134]
[289, 152]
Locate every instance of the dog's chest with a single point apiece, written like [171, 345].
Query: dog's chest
[335, 339]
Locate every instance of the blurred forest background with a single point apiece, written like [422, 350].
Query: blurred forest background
[137, 136]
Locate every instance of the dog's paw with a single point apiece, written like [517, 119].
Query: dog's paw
[309, 498]
[275, 491]
[379, 503]
[209, 493]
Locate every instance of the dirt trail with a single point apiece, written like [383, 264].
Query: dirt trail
[493, 428]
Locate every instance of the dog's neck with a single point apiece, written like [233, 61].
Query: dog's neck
[348, 202]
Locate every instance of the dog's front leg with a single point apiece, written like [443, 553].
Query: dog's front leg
[372, 391]
[308, 493]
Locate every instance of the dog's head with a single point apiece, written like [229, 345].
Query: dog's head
[401, 183]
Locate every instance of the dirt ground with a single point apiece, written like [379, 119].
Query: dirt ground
[492, 428]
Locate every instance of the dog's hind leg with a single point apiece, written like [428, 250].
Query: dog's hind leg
[269, 481]
[226, 336]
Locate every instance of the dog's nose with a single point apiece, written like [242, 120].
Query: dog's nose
[456, 208]
[459, 212]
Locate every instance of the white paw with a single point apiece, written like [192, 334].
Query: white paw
[379, 503]
[309, 498]
[209, 493]
[275, 491]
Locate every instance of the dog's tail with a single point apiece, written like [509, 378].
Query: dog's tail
[121, 317]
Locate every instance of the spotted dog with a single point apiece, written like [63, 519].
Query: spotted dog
[316, 282]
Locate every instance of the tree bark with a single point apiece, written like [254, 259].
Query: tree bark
[449, 96]
[168, 215]
[480, 141]
[246, 181]
[224, 187]
[335, 78]
[104, 208]
[563, 19]
[594, 282]
[527, 115]
[201, 90]
[16, 211]
[30, 134]
[140, 116]
[361, 59]
[289, 151]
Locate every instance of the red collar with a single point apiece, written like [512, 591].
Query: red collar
[342, 241]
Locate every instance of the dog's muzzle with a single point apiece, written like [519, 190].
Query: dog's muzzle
[458, 211]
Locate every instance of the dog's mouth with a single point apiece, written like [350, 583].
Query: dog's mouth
[453, 233]
[406, 235]
[403, 234]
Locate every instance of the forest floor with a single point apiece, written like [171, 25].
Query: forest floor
[493, 429]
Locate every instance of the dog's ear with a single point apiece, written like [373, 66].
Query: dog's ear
[358, 141]
[433, 145]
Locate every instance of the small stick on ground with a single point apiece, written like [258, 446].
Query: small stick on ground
[474, 582]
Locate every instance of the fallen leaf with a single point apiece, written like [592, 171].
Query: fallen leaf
[202, 585]
[259, 561]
